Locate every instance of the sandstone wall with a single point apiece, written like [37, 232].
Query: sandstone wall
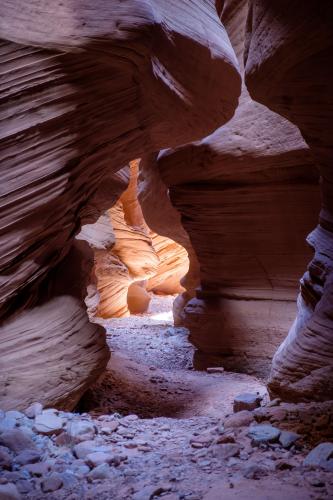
[82, 95]
[248, 195]
[288, 68]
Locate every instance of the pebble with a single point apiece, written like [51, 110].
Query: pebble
[79, 431]
[225, 451]
[16, 440]
[39, 469]
[28, 457]
[33, 410]
[52, 483]
[287, 439]
[98, 458]
[201, 441]
[83, 449]
[254, 471]
[263, 433]
[102, 471]
[5, 458]
[9, 492]
[246, 401]
[17, 415]
[239, 419]
[321, 456]
[47, 423]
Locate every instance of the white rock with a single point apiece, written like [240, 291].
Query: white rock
[80, 430]
[33, 410]
[48, 423]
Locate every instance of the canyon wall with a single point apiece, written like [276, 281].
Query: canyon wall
[289, 69]
[247, 195]
[82, 94]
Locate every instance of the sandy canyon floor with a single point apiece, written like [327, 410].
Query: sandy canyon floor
[155, 428]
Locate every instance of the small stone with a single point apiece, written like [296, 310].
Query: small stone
[215, 369]
[225, 451]
[239, 419]
[33, 410]
[254, 471]
[285, 465]
[52, 483]
[149, 492]
[79, 430]
[102, 471]
[98, 458]
[321, 456]
[226, 437]
[17, 415]
[246, 401]
[48, 423]
[83, 449]
[263, 433]
[69, 480]
[201, 441]
[109, 427]
[5, 458]
[16, 440]
[9, 492]
[24, 486]
[28, 457]
[287, 439]
[63, 439]
[277, 414]
[39, 469]
[7, 424]
[233, 461]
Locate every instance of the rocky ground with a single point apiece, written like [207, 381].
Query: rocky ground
[212, 436]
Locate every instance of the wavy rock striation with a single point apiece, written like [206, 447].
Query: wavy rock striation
[288, 68]
[248, 195]
[82, 94]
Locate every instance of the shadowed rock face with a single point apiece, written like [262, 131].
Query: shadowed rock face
[248, 195]
[288, 68]
[83, 93]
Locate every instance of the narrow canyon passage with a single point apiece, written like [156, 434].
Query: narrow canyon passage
[166, 250]
[151, 372]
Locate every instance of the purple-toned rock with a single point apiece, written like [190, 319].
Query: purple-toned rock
[9, 492]
[246, 401]
[28, 457]
[5, 458]
[52, 483]
[33, 410]
[16, 440]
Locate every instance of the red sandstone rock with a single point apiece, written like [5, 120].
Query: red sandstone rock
[288, 68]
[82, 95]
[248, 195]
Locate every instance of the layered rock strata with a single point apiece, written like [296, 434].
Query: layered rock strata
[248, 195]
[82, 95]
[288, 68]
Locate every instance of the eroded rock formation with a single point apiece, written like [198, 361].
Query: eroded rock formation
[288, 68]
[136, 261]
[82, 95]
[248, 195]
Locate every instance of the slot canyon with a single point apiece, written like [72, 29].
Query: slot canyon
[166, 234]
